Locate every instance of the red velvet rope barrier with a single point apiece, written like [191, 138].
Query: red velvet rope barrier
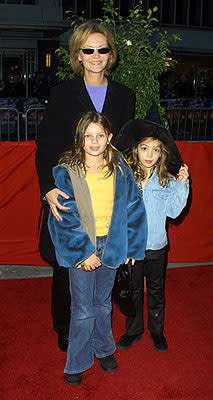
[190, 238]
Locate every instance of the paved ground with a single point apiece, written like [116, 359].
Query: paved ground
[24, 271]
[29, 271]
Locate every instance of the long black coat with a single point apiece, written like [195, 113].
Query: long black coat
[67, 103]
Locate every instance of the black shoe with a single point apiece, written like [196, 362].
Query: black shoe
[160, 344]
[126, 341]
[73, 379]
[63, 341]
[108, 363]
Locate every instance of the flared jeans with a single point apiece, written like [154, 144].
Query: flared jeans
[90, 331]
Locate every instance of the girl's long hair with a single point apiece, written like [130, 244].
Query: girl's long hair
[139, 171]
[76, 155]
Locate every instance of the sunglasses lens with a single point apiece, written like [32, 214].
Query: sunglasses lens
[87, 51]
[104, 50]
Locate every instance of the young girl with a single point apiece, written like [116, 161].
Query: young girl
[153, 154]
[105, 210]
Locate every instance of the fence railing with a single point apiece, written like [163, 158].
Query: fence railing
[18, 126]
[9, 124]
[33, 117]
[191, 122]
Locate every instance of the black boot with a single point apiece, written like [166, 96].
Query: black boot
[126, 341]
[108, 363]
[73, 379]
[160, 344]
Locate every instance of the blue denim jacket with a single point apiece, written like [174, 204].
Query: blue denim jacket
[161, 203]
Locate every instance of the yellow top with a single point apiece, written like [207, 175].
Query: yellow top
[102, 195]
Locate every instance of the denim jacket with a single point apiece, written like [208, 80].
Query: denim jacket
[161, 203]
[74, 237]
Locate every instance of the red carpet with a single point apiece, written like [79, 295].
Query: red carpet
[32, 366]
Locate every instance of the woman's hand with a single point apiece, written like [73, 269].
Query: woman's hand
[183, 173]
[91, 263]
[127, 260]
[52, 198]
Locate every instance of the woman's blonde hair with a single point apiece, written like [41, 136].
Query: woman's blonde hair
[76, 156]
[80, 35]
[139, 171]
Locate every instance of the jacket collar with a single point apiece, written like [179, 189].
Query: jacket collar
[84, 97]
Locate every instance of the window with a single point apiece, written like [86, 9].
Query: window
[26, 2]
[177, 12]
[208, 13]
[97, 9]
[195, 13]
[167, 12]
[182, 10]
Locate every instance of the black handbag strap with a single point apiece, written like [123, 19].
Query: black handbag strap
[129, 266]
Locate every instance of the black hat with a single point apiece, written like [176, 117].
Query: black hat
[135, 130]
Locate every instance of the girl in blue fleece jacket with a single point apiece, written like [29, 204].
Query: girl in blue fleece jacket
[103, 226]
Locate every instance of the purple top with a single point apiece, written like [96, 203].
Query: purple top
[97, 95]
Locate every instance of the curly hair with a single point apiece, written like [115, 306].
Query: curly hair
[139, 171]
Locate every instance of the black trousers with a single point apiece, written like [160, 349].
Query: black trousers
[153, 267]
[60, 305]
[60, 299]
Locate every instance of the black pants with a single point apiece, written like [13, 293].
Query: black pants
[60, 282]
[153, 267]
[60, 299]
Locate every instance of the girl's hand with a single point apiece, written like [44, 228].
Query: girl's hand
[52, 198]
[183, 173]
[91, 263]
[127, 260]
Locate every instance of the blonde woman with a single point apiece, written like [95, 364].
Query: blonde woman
[93, 54]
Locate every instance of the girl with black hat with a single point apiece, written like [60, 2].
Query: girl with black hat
[153, 155]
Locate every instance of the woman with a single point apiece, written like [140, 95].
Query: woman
[92, 54]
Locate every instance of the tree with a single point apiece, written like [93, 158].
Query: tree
[143, 50]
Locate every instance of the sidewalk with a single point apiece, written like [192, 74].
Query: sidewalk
[24, 271]
[32, 271]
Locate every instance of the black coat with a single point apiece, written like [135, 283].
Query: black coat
[67, 102]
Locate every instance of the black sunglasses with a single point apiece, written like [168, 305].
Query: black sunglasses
[103, 50]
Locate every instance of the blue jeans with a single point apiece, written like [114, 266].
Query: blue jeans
[90, 325]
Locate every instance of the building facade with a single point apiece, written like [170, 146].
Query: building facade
[29, 35]
[191, 19]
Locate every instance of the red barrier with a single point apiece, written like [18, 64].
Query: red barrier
[190, 241]
[19, 204]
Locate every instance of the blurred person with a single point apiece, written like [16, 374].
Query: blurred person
[17, 88]
[4, 88]
[183, 87]
[41, 87]
[168, 91]
[208, 91]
